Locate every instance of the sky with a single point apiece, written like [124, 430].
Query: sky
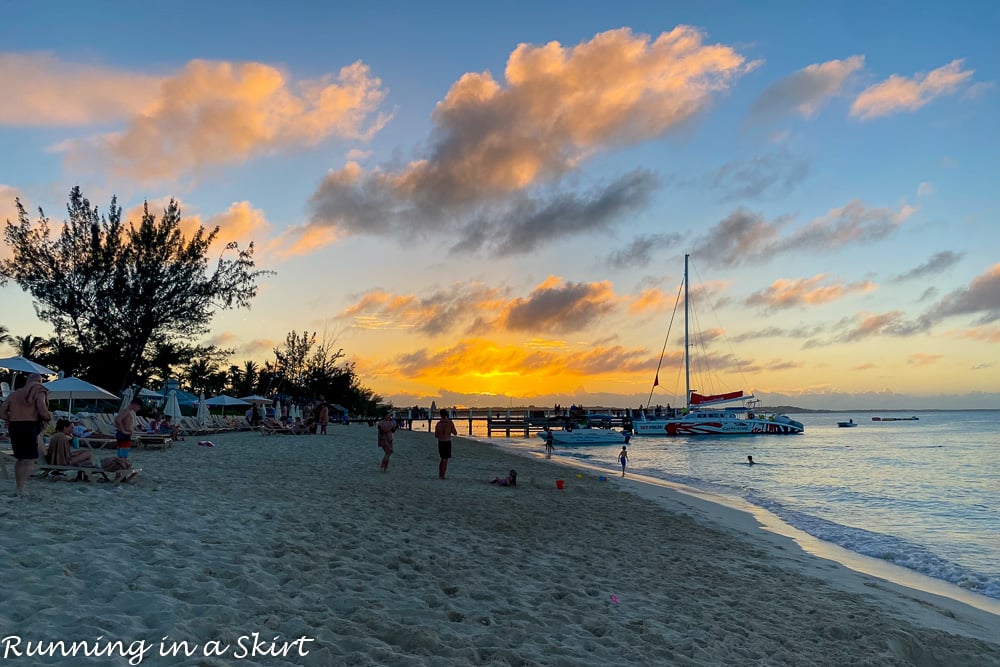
[489, 204]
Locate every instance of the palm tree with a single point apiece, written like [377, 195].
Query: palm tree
[31, 347]
[4, 335]
[251, 373]
[199, 375]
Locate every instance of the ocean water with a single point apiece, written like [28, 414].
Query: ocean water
[923, 495]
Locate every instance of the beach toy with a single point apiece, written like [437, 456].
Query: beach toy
[205, 443]
[602, 478]
[614, 598]
[560, 483]
[579, 476]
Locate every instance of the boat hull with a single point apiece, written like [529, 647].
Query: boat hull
[587, 436]
[688, 426]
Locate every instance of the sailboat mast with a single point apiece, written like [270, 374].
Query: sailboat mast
[687, 350]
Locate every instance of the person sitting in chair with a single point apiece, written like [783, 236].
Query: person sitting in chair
[61, 453]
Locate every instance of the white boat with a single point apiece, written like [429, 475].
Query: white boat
[847, 424]
[586, 436]
[705, 414]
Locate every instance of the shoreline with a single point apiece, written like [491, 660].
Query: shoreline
[758, 524]
[302, 537]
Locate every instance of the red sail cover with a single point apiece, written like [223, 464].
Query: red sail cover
[698, 399]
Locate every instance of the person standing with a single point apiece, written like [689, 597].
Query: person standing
[322, 415]
[443, 430]
[549, 442]
[26, 412]
[386, 428]
[125, 427]
[623, 458]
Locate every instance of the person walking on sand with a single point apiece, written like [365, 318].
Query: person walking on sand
[125, 427]
[386, 428]
[26, 412]
[443, 430]
[623, 458]
[549, 440]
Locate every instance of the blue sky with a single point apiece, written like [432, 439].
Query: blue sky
[517, 236]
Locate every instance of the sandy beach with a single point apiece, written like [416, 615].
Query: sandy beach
[288, 550]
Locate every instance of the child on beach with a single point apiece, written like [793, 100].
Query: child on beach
[509, 480]
[623, 459]
[386, 428]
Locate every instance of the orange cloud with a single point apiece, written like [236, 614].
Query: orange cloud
[557, 107]
[214, 113]
[240, 222]
[652, 300]
[556, 306]
[898, 93]
[784, 293]
[50, 91]
[985, 334]
[436, 313]
[921, 359]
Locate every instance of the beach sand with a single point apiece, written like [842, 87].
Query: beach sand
[303, 541]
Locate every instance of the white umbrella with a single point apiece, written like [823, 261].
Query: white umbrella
[202, 410]
[73, 387]
[22, 365]
[172, 407]
[126, 399]
[223, 400]
[149, 393]
[277, 409]
[257, 400]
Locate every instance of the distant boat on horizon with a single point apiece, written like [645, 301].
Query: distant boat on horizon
[895, 419]
[700, 417]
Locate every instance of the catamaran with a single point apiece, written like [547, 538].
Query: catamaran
[709, 414]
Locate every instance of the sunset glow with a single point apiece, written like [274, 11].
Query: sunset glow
[493, 208]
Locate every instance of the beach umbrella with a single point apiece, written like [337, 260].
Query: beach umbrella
[126, 399]
[202, 410]
[223, 401]
[257, 400]
[277, 409]
[172, 407]
[434, 407]
[73, 387]
[149, 393]
[23, 365]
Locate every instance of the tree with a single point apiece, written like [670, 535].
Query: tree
[119, 290]
[4, 335]
[31, 347]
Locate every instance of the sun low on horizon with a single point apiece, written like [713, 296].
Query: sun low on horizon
[488, 206]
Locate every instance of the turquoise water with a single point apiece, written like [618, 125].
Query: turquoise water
[924, 495]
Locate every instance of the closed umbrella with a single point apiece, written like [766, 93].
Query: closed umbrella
[126, 398]
[73, 387]
[202, 410]
[172, 407]
[277, 409]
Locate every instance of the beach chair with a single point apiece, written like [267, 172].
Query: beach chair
[153, 440]
[52, 471]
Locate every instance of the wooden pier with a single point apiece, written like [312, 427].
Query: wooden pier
[524, 422]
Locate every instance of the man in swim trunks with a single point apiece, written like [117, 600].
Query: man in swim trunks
[443, 432]
[125, 427]
[26, 411]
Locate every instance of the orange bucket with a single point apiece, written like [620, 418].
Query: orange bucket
[560, 483]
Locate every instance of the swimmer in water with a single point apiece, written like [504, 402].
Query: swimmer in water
[749, 460]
